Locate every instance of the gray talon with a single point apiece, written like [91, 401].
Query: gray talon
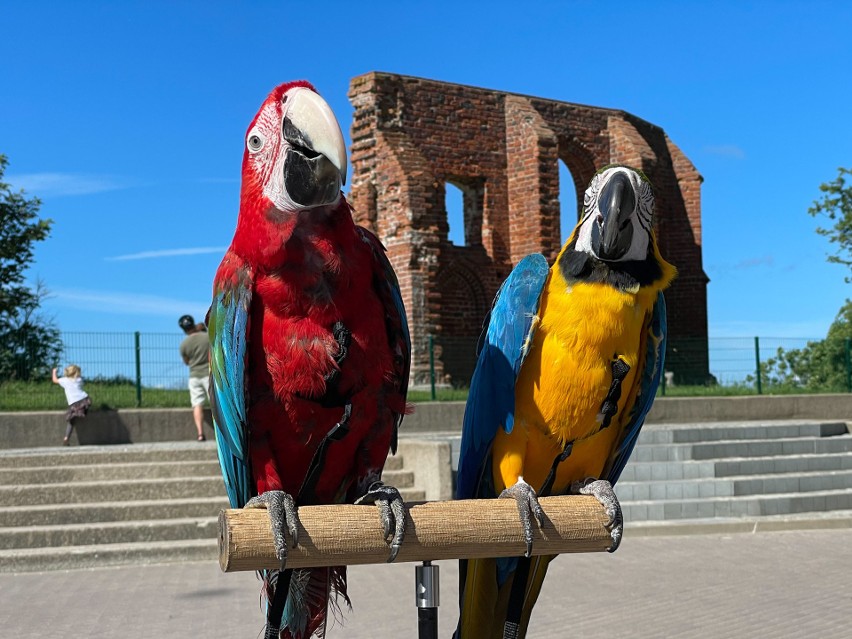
[603, 492]
[524, 495]
[391, 514]
[283, 514]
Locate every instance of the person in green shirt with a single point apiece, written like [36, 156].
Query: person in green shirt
[195, 351]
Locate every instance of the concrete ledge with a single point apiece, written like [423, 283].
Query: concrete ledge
[430, 461]
[751, 525]
[448, 416]
[127, 426]
[752, 407]
[35, 429]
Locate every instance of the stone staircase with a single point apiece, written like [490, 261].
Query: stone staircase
[153, 503]
[727, 471]
[732, 475]
[112, 505]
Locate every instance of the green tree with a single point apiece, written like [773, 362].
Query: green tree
[29, 343]
[821, 366]
[836, 205]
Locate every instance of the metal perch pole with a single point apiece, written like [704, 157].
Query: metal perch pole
[427, 595]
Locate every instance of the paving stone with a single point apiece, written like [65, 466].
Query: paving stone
[784, 585]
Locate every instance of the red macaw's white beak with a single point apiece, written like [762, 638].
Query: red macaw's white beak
[315, 163]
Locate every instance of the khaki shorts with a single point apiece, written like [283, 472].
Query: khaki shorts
[198, 390]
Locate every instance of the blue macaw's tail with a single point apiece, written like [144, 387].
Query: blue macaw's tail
[485, 600]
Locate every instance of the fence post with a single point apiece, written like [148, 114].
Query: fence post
[849, 364]
[138, 351]
[757, 364]
[432, 367]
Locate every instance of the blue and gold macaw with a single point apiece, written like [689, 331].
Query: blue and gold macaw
[568, 368]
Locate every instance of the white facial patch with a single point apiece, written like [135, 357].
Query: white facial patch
[641, 218]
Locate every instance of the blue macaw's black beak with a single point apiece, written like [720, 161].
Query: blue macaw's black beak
[617, 202]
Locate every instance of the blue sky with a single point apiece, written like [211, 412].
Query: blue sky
[127, 120]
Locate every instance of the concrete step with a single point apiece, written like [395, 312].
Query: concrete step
[653, 471]
[663, 470]
[139, 454]
[109, 532]
[133, 489]
[142, 470]
[691, 433]
[828, 520]
[137, 510]
[128, 490]
[82, 513]
[679, 489]
[112, 505]
[737, 506]
[394, 462]
[108, 472]
[742, 448]
[88, 455]
[784, 464]
[98, 555]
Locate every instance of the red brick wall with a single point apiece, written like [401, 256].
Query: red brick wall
[410, 136]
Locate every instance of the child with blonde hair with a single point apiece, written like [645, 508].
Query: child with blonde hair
[78, 399]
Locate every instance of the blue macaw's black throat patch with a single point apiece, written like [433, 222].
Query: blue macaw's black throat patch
[579, 266]
[310, 179]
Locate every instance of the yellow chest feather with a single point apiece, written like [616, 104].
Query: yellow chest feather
[568, 372]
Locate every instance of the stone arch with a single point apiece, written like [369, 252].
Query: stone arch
[463, 304]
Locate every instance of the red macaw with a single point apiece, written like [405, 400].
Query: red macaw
[310, 350]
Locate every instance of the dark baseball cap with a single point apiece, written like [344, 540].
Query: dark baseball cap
[186, 322]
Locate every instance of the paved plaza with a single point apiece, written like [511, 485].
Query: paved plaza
[772, 584]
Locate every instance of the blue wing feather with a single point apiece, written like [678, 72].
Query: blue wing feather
[386, 285]
[655, 355]
[507, 337]
[228, 326]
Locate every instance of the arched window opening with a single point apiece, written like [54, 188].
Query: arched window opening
[464, 202]
[454, 203]
[569, 207]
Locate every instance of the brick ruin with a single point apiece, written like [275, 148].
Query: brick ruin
[411, 137]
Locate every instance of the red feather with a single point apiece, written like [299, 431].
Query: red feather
[312, 268]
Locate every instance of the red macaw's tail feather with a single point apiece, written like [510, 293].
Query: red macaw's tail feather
[313, 595]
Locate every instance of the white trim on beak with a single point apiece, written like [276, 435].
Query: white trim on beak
[311, 115]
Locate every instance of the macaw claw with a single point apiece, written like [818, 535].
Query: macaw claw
[527, 501]
[603, 492]
[391, 514]
[283, 515]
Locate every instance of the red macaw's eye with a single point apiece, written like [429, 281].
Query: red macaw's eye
[255, 142]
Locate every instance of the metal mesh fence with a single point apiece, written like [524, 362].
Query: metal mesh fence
[120, 370]
[133, 369]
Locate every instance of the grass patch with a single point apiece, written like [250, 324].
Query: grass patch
[30, 396]
[718, 390]
[441, 395]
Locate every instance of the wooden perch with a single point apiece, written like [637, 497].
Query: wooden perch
[349, 535]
